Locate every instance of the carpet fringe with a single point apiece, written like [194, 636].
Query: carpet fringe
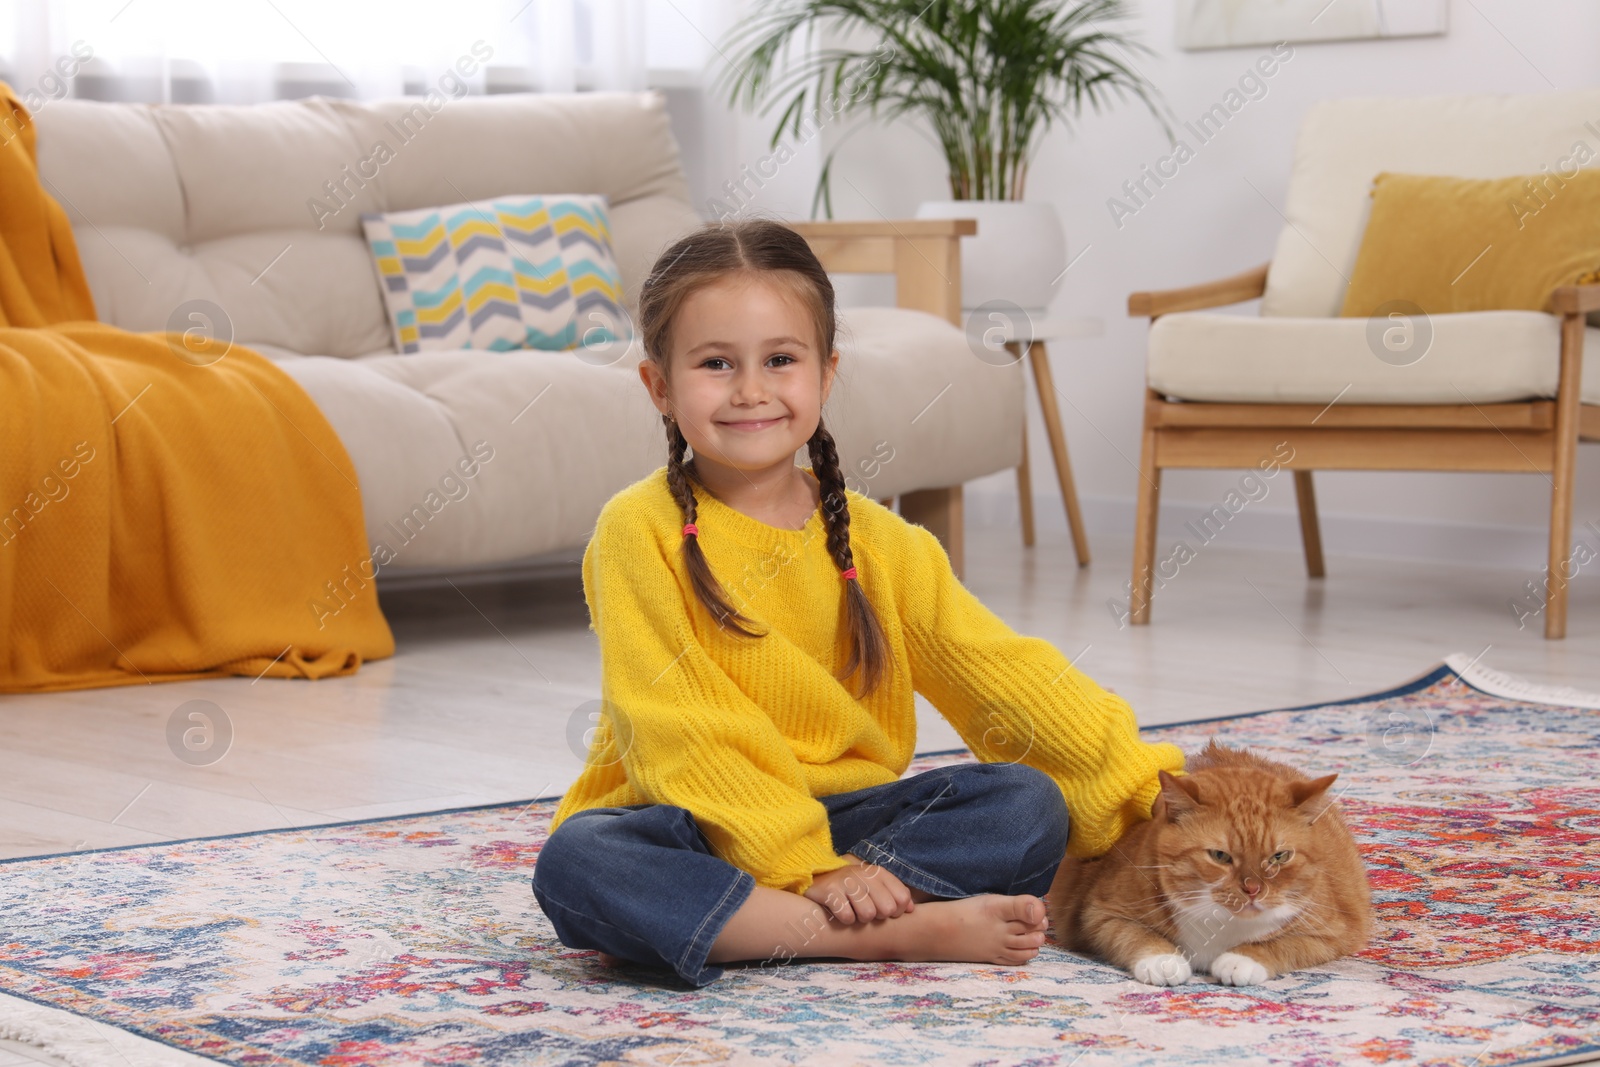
[82, 1042]
[1512, 687]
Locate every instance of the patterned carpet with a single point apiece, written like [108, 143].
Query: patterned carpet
[416, 940]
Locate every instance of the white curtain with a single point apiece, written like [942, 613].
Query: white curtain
[241, 51]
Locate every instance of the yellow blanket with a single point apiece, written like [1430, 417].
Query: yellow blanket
[166, 511]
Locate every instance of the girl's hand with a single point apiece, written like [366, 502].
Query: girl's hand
[860, 892]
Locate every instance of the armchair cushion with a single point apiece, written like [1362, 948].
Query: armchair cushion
[1342, 144]
[1480, 356]
[1475, 244]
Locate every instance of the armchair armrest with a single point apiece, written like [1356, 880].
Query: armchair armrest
[1575, 299]
[924, 255]
[1246, 286]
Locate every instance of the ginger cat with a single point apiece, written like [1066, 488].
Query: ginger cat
[1245, 869]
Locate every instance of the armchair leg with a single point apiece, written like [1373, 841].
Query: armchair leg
[1561, 472]
[1144, 529]
[941, 512]
[1310, 532]
[1555, 608]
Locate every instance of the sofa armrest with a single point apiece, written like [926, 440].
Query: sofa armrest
[1246, 286]
[924, 255]
[1575, 299]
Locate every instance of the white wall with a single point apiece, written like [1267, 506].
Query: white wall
[1206, 223]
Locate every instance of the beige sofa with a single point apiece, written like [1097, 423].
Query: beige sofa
[246, 219]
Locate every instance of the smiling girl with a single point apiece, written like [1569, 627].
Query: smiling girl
[744, 800]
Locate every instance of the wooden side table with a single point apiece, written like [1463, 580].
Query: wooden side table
[1059, 328]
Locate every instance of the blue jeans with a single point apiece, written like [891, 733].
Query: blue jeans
[641, 881]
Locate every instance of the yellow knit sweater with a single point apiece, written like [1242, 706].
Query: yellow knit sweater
[746, 733]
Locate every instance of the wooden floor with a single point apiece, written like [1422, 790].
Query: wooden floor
[487, 696]
[489, 690]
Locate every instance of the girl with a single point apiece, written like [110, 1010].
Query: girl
[762, 631]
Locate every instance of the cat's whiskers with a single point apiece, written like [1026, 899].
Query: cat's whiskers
[1117, 848]
[1317, 923]
[1311, 909]
[1184, 897]
[1137, 908]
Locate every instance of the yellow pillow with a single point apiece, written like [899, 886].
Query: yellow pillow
[1476, 244]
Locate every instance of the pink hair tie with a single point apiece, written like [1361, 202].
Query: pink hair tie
[691, 530]
[849, 573]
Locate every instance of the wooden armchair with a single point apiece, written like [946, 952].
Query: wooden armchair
[1533, 436]
[1488, 391]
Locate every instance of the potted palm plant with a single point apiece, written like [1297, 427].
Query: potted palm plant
[989, 77]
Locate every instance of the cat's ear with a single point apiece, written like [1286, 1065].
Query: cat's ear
[1179, 795]
[1301, 792]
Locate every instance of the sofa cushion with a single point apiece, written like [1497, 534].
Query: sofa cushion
[514, 272]
[1481, 357]
[911, 408]
[255, 208]
[1343, 144]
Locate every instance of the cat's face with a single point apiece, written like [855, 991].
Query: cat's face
[1238, 844]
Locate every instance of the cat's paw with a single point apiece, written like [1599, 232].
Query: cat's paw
[1234, 968]
[1167, 969]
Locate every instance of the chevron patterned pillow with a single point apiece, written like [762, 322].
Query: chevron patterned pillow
[513, 272]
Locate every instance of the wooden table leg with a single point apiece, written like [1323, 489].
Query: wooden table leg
[1058, 446]
[1024, 476]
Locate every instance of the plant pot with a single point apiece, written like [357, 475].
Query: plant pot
[1018, 255]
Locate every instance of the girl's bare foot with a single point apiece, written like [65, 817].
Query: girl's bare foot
[982, 929]
[778, 925]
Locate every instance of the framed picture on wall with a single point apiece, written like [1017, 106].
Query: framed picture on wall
[1232, 23]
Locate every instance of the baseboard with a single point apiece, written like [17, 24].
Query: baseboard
[1518, 548]
[560, 563]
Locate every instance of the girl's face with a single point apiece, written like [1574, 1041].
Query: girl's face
[748, 382]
